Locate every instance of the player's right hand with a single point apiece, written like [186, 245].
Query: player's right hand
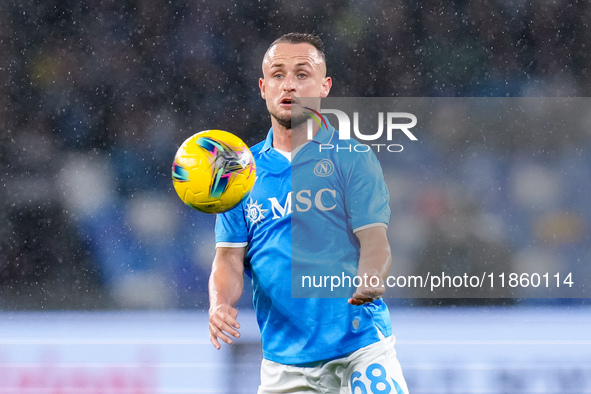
[222, 321]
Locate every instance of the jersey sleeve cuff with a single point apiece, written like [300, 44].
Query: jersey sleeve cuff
[370, 226]
[231, 244]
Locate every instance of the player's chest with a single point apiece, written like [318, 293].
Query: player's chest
[277, 193]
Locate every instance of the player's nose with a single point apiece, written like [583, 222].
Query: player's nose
[289, 83]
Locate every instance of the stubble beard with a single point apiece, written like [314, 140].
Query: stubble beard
[290, 122]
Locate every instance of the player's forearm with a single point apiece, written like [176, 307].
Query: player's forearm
[376, 262]
[375, 255]
[226, 281]
[225, 287]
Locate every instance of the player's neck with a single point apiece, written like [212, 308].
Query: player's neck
[289, 139]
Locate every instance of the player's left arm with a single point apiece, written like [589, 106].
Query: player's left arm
[374, 262]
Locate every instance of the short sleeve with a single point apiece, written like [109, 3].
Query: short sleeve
[231, 229]
[366, 194]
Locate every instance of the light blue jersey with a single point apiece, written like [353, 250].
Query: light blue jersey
[308, 211]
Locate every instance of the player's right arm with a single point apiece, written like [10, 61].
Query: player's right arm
[225, 288]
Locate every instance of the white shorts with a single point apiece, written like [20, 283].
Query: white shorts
[373, 369]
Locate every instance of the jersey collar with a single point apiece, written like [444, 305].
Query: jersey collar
[269, 141]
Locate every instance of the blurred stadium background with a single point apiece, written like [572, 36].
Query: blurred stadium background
[95, 97]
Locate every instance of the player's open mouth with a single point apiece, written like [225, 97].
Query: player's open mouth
[288, 101]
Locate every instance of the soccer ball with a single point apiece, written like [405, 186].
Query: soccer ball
[213, 171]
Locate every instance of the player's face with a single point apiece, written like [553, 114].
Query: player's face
[291, 71]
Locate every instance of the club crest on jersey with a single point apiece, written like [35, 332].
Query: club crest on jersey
[324, 168]
[255, 211]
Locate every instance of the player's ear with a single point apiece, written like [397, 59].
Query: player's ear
[326, 85]
[262, 87]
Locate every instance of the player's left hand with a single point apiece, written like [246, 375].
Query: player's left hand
[370, 290]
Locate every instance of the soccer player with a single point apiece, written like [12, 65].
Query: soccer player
[312, 345]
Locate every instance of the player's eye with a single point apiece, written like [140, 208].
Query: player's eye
[278, 76]
[302, 75]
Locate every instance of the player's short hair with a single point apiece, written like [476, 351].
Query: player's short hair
[301, 38]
